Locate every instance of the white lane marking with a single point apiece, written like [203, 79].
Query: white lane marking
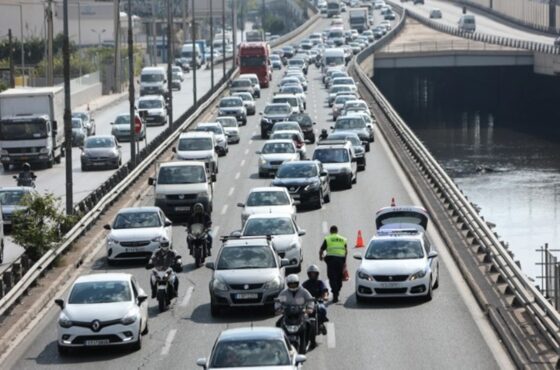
[168, 341]
[246, 151]
[331, 336]
[230, 192]
[325, 227]
[237, 175]
[251, 142]
[242, 163]
[224, 209]
[215, 231]
[187, 297]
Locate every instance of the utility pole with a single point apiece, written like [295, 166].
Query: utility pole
[50, 36]
[11, 56]
[263, 16]
[67, 112]
[184, 19]
[22, 45]
[211, 46]
[117, 56]
[131, 88]
[224, 38]
[234, 28]
[193, 36]
[80, 36]
[170, 41]
[154, 38]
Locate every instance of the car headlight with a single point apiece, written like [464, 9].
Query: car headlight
[64, 321]
[262, 161]
[130, 317]
[160, 196]
[266, 120]
[292, 246]
[219, 285]
[158, 239]
[221, 112]
[313, 186]
[5, 152]
[273, 284]
[111, 240]
[345, 170]
[362, 275]
[42, 151]
[202, 195]
[418, 275]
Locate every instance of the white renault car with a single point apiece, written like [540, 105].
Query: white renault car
[272, 199]
[136, 233]
[108, 309]
[399, 261]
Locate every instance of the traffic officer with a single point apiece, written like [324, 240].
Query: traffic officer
[334, 251]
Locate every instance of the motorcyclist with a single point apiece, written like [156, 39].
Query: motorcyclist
[26, 176]
[324, 134]
[320, 292]
[295, 294]
[199, 216]
[163, 258]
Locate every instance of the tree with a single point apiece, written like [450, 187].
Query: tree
[40, 225]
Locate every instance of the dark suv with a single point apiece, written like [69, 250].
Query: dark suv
[306, 124]
[273, 113]
[306, 181]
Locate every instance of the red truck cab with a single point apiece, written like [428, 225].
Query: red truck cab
[254, 57]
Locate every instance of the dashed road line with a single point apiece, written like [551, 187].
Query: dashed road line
[224, 209]
[325, 227]
[246, 151]
[168, 342]
[237, 175]
[331, 336]
[242, 163]
[230, 192]
[187, 297]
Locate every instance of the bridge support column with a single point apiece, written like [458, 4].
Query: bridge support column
[552, 15]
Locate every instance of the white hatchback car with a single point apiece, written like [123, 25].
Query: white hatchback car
[219, 134]
[274, 153]
[108, 309]
[136, 233]
[272, 199]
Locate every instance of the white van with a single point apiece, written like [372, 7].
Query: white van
[333, 57]
[153, 81]
[187, 54]
[467, 23]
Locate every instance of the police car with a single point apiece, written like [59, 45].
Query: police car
[400, 260]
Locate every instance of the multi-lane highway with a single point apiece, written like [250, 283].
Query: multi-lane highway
[448, 332]
[451, 12]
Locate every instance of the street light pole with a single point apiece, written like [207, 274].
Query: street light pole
[224, 38]
[170, 43]
[211, 46]
[67, 112]
[193, 36]
[131, 88]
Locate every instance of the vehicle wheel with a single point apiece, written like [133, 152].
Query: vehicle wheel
[179, 88]
[362, 167]
[327, 197]
[429, 295]
[2, 251]
[264, 135]
[367, 147]
[63, 351]
[137, 346]
[245, 122]
[270, 309]
[319, 203]
[436, 284]
[6, 166]
[214, 310]
[312, 140]
[84, 168]
[214, 178]
[360, 299]
[146, 329]
[302, 350]
[355, 180]
[262, 174]
[50, 162]
[349, 183]
[161, 305]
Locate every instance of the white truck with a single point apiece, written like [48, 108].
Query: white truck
[358, 19]
[254, 35]
[31, 126]
[333, 8]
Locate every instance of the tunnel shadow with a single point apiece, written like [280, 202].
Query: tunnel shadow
[49, 355]
[201, 315]
[383, 303]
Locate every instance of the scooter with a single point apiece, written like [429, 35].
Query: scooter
[299, 330]
[162, 277]
[25, 181]
[197, 240]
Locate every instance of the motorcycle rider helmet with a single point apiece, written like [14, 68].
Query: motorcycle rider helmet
[313, 272]
[198, 208]
[324, 133]
[292, 281]
[26, 167]
[164, 244]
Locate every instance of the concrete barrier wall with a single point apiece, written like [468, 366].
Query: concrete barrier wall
[85, 95]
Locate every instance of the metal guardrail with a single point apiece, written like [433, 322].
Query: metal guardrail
[21, 275]
[525, 294]
[446, 45]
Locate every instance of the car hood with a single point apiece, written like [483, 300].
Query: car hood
[283, 242]
[352, 131]
[279, 156]
[277, 117]
[247, 276]
[231, 109]
[231, 130]
[153, 112]
[182, 188]
[94, 152]
[392, 267]
[194, 154]
[135, 234]
[294, 181]
[99, 311]
[335, 167]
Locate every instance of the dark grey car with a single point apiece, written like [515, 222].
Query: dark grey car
[79, 132]
[101, 152]
[10, 199]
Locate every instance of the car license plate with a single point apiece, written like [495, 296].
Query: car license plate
[132, 250]
[98, 342]
[390, 285]
[247, 296]
[182, 209]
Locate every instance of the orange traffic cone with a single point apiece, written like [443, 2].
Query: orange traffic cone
[359, 240]
[393, 203]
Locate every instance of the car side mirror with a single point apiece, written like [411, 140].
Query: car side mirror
[151, 181]
[142, 298]
[119, 146]
[332, 127]
[258, 152]
[354, 159]
[357, 256]
[168, 223]
[284, 262]
[111, 123]
[60, 303]
[242, 205]
[202, 362]
[209, 265]
[324, 173]
[432, 254]
[261, 113]
[174, 150]
[314, 123]
[301, 232]
[236, 233]
[300, 359]
[107, 227]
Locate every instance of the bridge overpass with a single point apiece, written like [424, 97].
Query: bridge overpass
[463, 327]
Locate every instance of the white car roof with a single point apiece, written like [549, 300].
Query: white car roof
[268, 189]
[182, 164]
[111, 276]
[270, 215]
[196, 134]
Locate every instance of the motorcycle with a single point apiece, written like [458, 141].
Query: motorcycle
[165, 291]
[197, 240]
[25, 181]
[299, 328]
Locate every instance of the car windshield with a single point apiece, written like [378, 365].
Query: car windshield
[11, 197]
[236, 102]
[270, 148]
[343, 81]
[289, 80]
[394, 249]
[284, 135]
[241, 83]
[136, 220]
[250, 353]
[123, 119]
[150, 104]
[246, 257]
[331, 155]
[245, 96]
[303, 119]
[214, 129]
[172, 175]
[227, 121]
[156, 77]
[81, 115]
[277, 109]
[291, 90]
[76, 123]
[193, 144]
[338, 60]
[267, 198]
[296, 62]
[96, 292]
[340, 88]
[342, 99]
[99, 142]
[354, 139]
[290, 100]
[296, 171]
[268, 226]
[349, 124]
[355, 105]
